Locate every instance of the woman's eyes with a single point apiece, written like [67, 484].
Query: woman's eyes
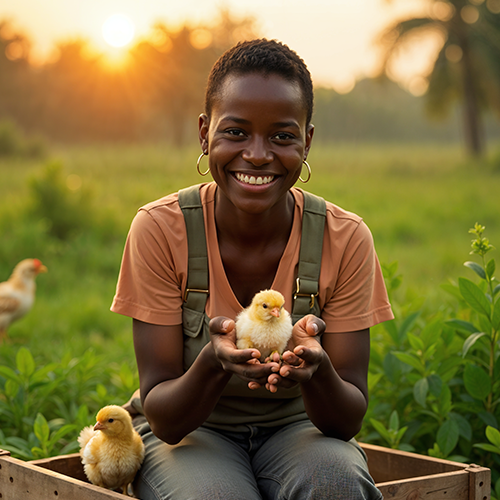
[235, 132]
[280, 136]
[284, 136]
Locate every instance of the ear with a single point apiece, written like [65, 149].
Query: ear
[203, 126]
[309, 136]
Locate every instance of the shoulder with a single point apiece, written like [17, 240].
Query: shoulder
[165, 214]
[340, 223]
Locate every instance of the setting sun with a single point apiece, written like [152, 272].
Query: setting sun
[118, 30]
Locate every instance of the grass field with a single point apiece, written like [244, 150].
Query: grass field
[419, 202]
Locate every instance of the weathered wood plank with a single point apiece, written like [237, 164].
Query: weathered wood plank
[479, 482]
[69, 465]
[391, 465]
[446, 486]
[22, 480]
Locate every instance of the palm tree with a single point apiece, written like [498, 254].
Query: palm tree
[467, 67]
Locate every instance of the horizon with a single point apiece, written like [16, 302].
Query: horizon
[342, 51]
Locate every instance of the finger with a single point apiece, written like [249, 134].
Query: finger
[296, 374]
[291, 358]
[221, 325]
[314, 325]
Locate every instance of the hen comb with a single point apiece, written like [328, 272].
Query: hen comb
[37, 263]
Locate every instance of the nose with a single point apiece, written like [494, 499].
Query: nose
[257, 152]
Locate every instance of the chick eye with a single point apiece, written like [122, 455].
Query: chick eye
[110, 420]
[264, 306]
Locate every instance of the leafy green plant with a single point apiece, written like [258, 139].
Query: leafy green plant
[67, 211]
[43, 408]
[439, 371]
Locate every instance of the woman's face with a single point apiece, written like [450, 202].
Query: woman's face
[257, 139]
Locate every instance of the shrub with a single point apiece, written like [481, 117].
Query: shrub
[14, 143]
[437, 374]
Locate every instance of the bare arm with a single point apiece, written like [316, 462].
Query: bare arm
[177, 402]
[333, 377]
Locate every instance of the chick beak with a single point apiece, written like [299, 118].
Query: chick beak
[42, 269]
[275, 311]
[99, 426]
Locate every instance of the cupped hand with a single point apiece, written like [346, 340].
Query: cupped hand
[241, 362]
[302, 361]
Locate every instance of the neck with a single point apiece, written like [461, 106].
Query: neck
[246, 228]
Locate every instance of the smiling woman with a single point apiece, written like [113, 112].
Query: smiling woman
[118, 30]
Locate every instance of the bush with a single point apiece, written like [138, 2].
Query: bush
[14, 143]
[437, 374]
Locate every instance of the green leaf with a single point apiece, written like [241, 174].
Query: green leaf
[394, 421]
[490, 268]
[493, 436]
[407, 325]
[462, 326]
[445, 401]
[409, 359]
[487, 447]
[415, 342]
[496, 290]
[464, 427]
[379, 427]
[470, 341]
[476, 268]
[392, 329]
[431, 332]
[452, 290]
[41, 429]
[435, 384]
[477, 382]
[25, 362]
[447, 436]
[495, 318]
[8, 373]
[11, 389]
[420, 390]
[474, 296]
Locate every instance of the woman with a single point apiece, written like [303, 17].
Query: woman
[220, 424]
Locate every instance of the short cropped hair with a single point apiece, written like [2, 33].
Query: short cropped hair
[260, 56]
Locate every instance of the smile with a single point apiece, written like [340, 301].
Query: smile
[250, 179]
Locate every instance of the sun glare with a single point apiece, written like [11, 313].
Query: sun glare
[118, 30]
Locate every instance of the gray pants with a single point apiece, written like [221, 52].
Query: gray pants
[294, 462]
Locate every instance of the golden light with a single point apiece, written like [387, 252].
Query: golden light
[118, 30]
[493, 6]
[469, 14]
[442, 11]
[453, 53]
[418, 85]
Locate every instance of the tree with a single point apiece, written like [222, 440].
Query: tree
[467, 66]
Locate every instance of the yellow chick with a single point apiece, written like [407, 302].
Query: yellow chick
[112, 451]
[264, 325]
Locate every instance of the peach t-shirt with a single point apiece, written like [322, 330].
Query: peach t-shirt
[153, 275]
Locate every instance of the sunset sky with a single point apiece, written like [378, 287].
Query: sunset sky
[334, 37]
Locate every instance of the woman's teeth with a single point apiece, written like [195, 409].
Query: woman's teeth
[250, 179]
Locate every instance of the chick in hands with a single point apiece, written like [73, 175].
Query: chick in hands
[264, 325]
[112, 451]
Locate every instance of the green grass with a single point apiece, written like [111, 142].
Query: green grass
[419, 202]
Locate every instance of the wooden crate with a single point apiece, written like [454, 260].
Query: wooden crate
[398, 474]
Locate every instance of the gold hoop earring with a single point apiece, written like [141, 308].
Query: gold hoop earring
[198, 165]
[308, 172]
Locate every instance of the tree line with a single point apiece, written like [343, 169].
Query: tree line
[76, 97]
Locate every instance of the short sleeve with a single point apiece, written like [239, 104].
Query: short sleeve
[358, 298]
[154, 267]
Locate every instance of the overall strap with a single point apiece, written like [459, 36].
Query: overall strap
[196, 294]
[311, 246]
